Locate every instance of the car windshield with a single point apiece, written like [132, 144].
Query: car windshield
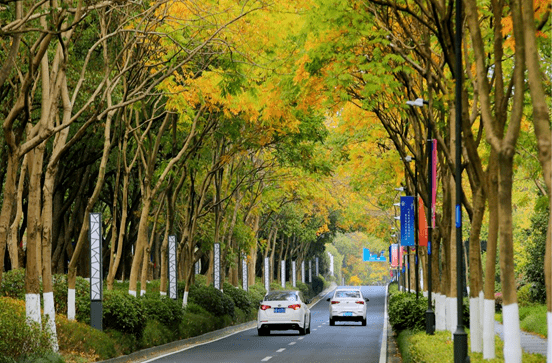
[349, 293]
[281, 296]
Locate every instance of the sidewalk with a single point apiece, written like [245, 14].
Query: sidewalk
[530, 343]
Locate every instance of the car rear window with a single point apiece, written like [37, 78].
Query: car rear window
[281, 296]
[350, 293]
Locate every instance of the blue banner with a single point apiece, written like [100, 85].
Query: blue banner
[407, 221]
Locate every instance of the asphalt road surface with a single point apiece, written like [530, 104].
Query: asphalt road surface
[344, 342]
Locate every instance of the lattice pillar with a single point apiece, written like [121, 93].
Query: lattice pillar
[216, 269]
[96, 280]
[173, 294]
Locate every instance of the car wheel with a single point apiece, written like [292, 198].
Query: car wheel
[308, 329]
[263, 332]
[302, 331]
[364, 322]
[332, 322]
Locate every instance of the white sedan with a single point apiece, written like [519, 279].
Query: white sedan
[347, 304]
[283, 310]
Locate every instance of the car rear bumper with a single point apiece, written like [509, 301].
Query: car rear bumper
[279, 326]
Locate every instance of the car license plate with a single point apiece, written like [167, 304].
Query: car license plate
[279, 310]
[347, 314]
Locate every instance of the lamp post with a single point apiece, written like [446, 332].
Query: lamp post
[460, 335]
[430, 314]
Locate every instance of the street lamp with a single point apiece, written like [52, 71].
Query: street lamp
[430, 314]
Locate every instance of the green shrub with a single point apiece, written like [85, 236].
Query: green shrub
[163, 309]
[213, 300]
[20, 339]
[13, 284]
[524, 295]
[196, 324]
[123, 312]
[240, 297]
[405, 312]
[533, 319]
[82, 296]
[256, 293]
[304, 288]
[318, 283]
[155, 333]
[124, 343]
[80, 337]
[196, 309]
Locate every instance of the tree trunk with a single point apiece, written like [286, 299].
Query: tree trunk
[490, 269]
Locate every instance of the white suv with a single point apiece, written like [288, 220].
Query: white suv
[347, 304]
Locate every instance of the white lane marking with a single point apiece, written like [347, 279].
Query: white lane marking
[301, 338]
[315, 329]
[320, 326]
[292, 343]
[266, 359]
[280, 350]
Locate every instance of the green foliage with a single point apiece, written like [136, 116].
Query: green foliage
[438, 348]
[82, 296]
[195, 323]
[75, 336]
[13, 284]
[405, 312]
[533, 319]
[212, 300]
[19, 338]
[318, 284]
[524, 295]
[305, 289]
[535, 249]
[256, 293]
[155, 333]
[163, 309]
[123, 312]
[241, 298]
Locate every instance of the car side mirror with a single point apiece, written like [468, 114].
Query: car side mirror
[367, 299]
[328, 299]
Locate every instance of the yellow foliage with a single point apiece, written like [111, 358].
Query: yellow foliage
[354, 281]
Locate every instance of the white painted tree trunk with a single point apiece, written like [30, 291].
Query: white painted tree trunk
[71, 304]
[163, 293]
[512, 335]
[50, 316]
[475, 324]
[489, 329]
[440, 312]
[132, 292]
[452, 311]
[142, 292]
[185, 299]
[32, 307]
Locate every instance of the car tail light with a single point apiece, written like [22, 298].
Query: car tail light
[360, 302]
[264, 307]
[335, 302]
[295, 306]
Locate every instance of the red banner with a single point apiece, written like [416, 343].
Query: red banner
[422, 223]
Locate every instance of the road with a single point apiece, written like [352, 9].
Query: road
[344, 342]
